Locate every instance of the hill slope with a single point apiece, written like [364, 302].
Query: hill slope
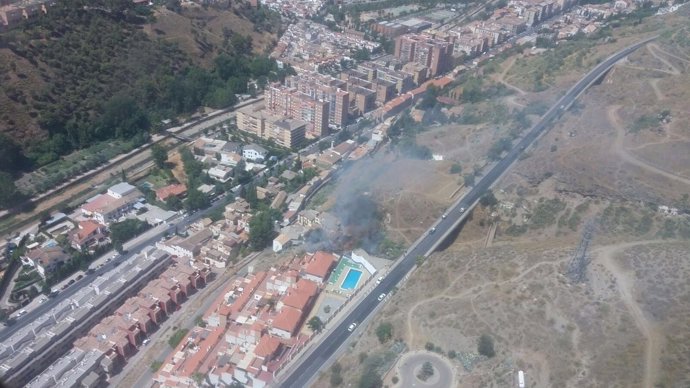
[95, 70]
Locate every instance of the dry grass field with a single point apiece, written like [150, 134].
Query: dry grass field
[612, 158]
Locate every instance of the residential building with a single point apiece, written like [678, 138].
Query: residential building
[109, 207]
[46, 259]
[288, 133]
[177, 190]
[426, 50]
[317, 266]
[254, 152]
[88, 234]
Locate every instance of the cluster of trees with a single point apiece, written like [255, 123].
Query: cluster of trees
[499, 147]
[194, 170]
[120, 232]
[384, 332]
[11, 161]
[104, 78]
[403, 133]
[261, 231]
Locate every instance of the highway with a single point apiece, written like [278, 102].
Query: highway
[308, 368]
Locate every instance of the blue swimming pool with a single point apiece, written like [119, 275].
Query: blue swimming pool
[351, 279]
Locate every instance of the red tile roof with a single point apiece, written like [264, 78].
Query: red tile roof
[288, 320]
[248, 292]
[176, 189]
[320, 264]
[267, 346]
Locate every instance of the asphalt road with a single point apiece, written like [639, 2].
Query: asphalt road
[412, 364]
[302, 375]
[135, 246]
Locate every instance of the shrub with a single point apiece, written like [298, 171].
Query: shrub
[485, 346]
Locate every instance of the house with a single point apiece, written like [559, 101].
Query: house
[254, 152]
[316, 267]
[240, 206]
[267, 348]
[187, 247]
[288, 175]
[281, 242]
[88, 233]
[120, 190]
[309, 218]
[46, 259]
[207, 189]
[109, 207]
[300, 297]
[327, 160]
[220, 173]
[176, 190]
[286, 323]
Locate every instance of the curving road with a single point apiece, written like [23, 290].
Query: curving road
[410, 365]
[304, 372]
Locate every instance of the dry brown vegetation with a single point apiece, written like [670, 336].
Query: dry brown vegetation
[200, 31]
[628, 324]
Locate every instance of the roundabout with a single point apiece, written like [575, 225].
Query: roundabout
[425, 370]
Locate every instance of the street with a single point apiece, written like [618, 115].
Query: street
[303, 376]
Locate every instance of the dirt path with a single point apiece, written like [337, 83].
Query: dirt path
[626, 288]
[652, 48]
[474, 291]
[654, 83]
[501, 77]
[618, 148]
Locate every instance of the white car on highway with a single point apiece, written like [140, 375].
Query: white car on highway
[352, 327]
[383, 295]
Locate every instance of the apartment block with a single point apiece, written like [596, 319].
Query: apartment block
[285, 130]
[426, 50]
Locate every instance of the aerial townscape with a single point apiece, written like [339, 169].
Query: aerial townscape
[347, 193]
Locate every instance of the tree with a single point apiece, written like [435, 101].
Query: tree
[336, 377]
[173, 203]
[384, 332]
[323, 145]
[9, 194]
[261, 230]
[426, 372]
[120, 232]
[315, 324]
[160, 155]
[122, 117]
[455, 169]
[11, 158]
[468, 179]
[196, 200]
[485, 346]
[488, 199]
[430, 95]
[250, 196]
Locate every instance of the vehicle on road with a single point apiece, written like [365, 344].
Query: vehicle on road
[71, 282]
[352, 327]
[42, 300]
[444, 215]
[383, 295]
[145, 341]
[22, 312]
[80, 277]
[462, 210]
[378, 281]
[432, 230]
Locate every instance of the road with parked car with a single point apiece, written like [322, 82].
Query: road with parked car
[313, 363]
